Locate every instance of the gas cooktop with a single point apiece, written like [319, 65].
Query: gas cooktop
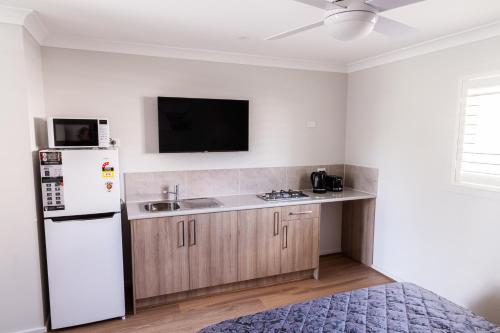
[283, 195]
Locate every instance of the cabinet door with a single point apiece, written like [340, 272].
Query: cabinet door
[160, 256]
[299, 244]
[258, 243]
[212, 249]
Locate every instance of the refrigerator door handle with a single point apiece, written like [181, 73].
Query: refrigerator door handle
[89, 217]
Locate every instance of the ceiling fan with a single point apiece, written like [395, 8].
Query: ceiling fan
[353, 19]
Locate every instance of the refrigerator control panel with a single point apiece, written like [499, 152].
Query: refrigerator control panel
[51, 169]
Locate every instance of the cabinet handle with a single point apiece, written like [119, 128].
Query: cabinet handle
[301, 213]
[192, 236]
[285, 237]
[276, 226]
[180, 223]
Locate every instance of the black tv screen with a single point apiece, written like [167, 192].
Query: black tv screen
[202, 125]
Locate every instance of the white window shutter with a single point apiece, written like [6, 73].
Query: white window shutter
[478, 159]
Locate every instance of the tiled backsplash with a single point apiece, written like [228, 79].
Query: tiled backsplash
[203, 183]
[361, 178]
[210, 183]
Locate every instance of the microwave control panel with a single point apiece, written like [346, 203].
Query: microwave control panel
[51, 169]
[103, 130]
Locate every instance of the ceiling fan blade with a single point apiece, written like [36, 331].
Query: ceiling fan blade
[383, 5]
[295, 31]
[392, 28]
[323, 4]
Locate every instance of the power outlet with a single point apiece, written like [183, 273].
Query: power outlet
[311, 124]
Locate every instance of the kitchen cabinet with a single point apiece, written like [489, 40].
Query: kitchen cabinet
[213, 249]
[188, 253]
[300, 238]
[259, 243]
[160, 256]
[277, 240]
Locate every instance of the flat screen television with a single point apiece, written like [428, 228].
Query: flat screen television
[202, 125]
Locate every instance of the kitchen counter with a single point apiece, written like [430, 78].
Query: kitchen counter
[136, 210]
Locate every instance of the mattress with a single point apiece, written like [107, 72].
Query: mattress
[394, 307]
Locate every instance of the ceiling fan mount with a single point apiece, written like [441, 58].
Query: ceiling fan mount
[351, 24]
[348, 20]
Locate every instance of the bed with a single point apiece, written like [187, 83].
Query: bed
[394, 307]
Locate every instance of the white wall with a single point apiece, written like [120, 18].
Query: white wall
[402, 118]
[36, 102]
[124, 89]
[20, 283]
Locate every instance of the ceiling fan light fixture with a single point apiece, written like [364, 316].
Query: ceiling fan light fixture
[351, 25]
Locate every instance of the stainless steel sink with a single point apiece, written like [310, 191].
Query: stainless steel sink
[199, 203]
[162, 206]
[170, 206]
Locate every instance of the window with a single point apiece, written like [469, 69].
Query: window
[478, 158]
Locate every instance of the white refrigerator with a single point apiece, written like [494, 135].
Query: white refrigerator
[81, 207]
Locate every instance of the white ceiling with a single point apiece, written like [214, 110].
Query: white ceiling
[239, 26]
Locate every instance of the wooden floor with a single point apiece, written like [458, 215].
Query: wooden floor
[337, 274]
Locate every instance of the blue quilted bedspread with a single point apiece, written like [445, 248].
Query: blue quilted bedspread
[394, 307]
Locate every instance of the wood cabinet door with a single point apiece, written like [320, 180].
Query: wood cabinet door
[299, 244]
[160, 256]
[212, 249]
[258, 243]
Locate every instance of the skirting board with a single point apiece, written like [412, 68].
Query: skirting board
[40, 329]
[231, 287]
[329, 251]
[389, 275]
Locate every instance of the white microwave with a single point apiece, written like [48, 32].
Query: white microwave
[78, 132]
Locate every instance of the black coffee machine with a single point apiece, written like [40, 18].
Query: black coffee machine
[318, 180]
[334, 183]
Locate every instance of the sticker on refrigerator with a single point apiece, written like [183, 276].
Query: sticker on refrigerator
[108, 171]
[109, 186]
[52, 180]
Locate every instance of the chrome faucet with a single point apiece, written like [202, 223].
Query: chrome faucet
[166, 192]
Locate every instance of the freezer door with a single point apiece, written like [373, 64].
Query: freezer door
[80, 182]
[85, 270]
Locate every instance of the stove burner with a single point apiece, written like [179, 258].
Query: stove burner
[283, 195]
